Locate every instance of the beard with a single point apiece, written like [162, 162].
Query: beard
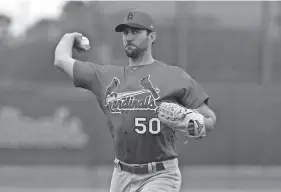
[135, 52]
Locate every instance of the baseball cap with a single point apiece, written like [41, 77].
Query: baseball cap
[137, 19]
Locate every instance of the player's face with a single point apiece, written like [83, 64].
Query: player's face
[135, 42]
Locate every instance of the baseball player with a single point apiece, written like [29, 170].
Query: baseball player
[145, 103]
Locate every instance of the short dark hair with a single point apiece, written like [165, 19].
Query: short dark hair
[148, 31]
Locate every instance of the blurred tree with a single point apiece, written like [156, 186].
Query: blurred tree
[5, 22]
[31, 60]
[279, 17]
[88, 19]
[85, 17]
[44, 30]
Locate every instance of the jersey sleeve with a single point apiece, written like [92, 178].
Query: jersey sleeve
[193, 94]
[85, 76]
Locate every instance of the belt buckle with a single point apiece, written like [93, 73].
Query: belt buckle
[135, 167]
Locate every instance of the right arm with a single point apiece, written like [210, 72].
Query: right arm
[63, 54]
[83, 74]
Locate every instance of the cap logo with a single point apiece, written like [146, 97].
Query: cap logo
[130, 16]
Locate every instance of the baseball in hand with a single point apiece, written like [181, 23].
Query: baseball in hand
[83, 44]
[85, 41]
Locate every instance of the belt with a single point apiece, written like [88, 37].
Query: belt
[140, 169]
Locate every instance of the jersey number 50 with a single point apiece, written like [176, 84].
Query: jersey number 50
[141, 128]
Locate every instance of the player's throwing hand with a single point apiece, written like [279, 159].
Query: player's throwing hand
[81, 43]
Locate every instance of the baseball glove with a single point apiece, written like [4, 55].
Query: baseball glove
[182, 119]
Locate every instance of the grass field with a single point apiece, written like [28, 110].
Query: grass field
[105, 190]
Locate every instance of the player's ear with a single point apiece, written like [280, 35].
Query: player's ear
[152, 36]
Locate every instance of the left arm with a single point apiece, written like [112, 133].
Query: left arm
[194, 97]
[209, 116]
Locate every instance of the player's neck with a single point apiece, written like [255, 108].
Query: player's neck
[143, 60]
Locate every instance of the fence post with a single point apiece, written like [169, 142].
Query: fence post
[267, 37]
[182, 12]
